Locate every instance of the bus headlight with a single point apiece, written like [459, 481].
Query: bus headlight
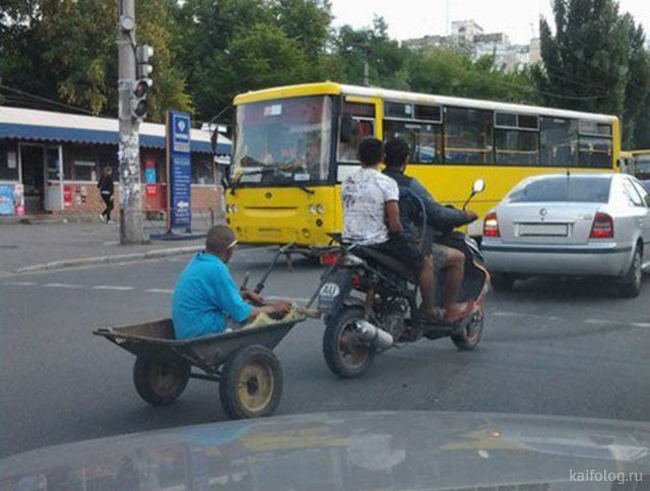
[231, 208]
[312, 209]
[320, 209]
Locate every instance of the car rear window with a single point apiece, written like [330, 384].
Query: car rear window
[565, 188]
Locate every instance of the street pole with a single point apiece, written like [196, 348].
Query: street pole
[131, 216]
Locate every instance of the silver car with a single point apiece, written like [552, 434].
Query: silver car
[570, 225]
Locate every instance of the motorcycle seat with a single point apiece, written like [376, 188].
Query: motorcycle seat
[388, 262]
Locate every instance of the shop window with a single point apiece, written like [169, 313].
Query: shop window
[468, 136]
[81, 162]
[559, 142]
[202, 169]
[8, 161]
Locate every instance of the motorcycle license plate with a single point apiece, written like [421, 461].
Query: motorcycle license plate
[328, 294]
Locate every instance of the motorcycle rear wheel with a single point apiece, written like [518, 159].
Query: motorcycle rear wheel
[345, 357]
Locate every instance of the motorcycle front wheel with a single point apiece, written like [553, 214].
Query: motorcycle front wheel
[346, 356]
[470, 335]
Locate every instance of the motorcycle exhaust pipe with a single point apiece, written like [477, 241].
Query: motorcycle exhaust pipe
[376, 337]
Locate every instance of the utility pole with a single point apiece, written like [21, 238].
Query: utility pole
[131, 215]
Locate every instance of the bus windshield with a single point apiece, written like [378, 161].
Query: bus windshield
[642, 166]
[283, 142]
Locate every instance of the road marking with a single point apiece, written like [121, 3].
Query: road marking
[521, 314]
[159, 290]
[60, 285]
[113, 288]
[290, 299]
[20, 283]
[601, 321]
[641, 324]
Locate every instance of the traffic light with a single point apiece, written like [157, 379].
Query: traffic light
[142, 85]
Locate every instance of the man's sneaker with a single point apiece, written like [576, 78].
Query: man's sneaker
[101, 218]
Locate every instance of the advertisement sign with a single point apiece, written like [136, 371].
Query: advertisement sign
[67, 196]
[6, 199]
[179, 170]
[19, 200]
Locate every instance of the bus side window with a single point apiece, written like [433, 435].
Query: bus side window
[357, 122]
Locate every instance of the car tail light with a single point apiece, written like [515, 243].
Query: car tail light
[603, 227]
[491, 225]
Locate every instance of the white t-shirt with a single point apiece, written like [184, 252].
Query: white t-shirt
[364, 195]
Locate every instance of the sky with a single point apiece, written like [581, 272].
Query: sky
[519, 19]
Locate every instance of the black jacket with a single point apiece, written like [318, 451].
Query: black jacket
[105, 186]
[415, 201]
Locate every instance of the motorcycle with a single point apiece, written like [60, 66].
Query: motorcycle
[369, 303]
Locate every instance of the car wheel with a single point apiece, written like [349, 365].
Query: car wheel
[630, 286]
[502, 282]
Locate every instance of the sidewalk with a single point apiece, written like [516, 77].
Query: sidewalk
[64, 244]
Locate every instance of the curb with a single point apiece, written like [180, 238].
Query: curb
[88, 261]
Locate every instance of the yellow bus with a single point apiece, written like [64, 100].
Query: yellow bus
[641, 164]
[295, 144]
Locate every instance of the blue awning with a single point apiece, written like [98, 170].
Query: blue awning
[76, 135]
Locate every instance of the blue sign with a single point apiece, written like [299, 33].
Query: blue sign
[150, 175]
[179, 170]
[7, 199]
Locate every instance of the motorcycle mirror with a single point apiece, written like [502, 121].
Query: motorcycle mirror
[478, 186]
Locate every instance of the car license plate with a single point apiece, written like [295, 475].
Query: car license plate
[543, 229]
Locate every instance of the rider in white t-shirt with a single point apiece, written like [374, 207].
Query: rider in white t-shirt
[371, 218]
[370, 199]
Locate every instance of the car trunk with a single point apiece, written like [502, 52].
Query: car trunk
[546, 223]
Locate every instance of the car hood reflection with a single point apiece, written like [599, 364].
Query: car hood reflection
[387, 450]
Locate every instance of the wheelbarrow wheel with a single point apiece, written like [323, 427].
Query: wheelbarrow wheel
[160, 384]
[251, 383]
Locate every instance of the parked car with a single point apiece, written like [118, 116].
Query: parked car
[570, 225]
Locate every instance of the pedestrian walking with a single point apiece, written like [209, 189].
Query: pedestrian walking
[106, 189]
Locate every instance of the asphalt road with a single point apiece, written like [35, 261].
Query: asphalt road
[550, 347]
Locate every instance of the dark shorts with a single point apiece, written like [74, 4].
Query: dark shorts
[405, 251]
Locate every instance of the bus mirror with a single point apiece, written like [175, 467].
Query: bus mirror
[478, 186]
[347, 124]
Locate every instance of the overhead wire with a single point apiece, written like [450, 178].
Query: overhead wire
[45, 99]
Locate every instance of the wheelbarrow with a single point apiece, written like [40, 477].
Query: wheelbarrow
[241, 361]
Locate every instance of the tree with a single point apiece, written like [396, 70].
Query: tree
[637, 91]
[452, 71]
[231, 46]
[65, 50]
[387, 60]
[595, 61]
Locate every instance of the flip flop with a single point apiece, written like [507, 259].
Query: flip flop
[464, 312]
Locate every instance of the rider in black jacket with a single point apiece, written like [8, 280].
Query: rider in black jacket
[414, 202]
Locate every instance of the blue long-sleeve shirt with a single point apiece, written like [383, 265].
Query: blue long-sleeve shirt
[204, 296]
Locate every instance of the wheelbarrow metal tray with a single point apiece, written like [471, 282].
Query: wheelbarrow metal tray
[155, 341]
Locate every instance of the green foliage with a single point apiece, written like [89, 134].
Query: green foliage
[66, 50]
[207, 51]
[595, 61]
[450, 71]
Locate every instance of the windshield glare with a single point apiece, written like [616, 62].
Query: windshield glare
[283, 141]
[569, 189]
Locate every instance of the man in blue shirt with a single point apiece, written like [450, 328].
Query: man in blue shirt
[206, 296]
